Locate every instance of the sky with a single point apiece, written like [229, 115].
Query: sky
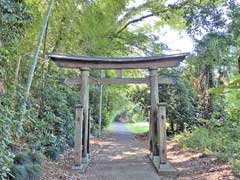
[177, 41]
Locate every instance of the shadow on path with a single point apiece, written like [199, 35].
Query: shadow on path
[118, 155]
[121, 157]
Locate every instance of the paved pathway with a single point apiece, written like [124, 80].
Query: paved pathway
[121, 157]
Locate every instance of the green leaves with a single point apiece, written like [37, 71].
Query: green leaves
[13, 17]
[6, 125]
[204, 17]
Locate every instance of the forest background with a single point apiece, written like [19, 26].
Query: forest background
[202, 107]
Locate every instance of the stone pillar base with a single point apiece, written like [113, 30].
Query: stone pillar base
[86, 159]
[83, 167]
[166, 170]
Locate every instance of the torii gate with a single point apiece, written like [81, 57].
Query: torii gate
[157, 127]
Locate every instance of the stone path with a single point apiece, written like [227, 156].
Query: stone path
[122, 157]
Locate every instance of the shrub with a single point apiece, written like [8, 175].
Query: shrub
[36, 158]
[27, 166]
[198, 139]
[6, 124]
[52, 152]
[19, 172]
[221, 141]
[236, 167]
[22, 158]
[34, 171]
[138, 118]
[26, 172]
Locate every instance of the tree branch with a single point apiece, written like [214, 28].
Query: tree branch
[134, 21]
[172, 6]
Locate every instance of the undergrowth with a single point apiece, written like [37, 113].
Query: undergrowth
[223, 142]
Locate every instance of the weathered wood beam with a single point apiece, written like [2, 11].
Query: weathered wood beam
[119, 73]
[105, 81]
[78, 135]
[102, 75]
[89, 130]
[162, 61]
[107, 65]
[153, 111]
[84, 100]
[162, 136]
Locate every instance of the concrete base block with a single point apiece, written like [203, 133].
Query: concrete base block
[86, 159]
[77, 168]
[166, 170]
[83, 167]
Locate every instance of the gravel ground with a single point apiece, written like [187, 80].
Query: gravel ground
[119, 155]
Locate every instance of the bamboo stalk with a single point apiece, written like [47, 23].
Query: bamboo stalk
[34, 63]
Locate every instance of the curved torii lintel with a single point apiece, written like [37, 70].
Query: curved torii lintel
[161, 61]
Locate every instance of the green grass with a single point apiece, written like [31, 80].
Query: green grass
[109, 128]
[139, 127]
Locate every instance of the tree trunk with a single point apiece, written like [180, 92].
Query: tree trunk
[208, 99]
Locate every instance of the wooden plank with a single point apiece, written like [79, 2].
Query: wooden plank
[78, 135]
[161, 61]
[166, 80]
[162, 136]
[89, 129]
[154, 101]
[84, 100]
[102, 75]
[150, 131]
[105, 65]
[119, 73]
[106, 81]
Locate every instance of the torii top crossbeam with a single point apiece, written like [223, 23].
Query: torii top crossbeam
[161, 61]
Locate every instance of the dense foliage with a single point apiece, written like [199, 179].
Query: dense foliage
[204, 100]
[180, 99]
[214, 73]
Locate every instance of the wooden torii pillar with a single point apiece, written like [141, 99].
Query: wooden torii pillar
[78, 133]
[84, 100]
[157, 129]
[153, 111]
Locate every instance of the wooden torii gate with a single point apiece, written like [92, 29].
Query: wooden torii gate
[157, 127]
